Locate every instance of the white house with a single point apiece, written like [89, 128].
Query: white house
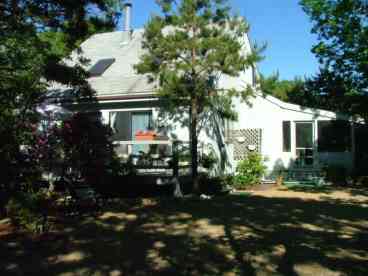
[286, 134]
[292, 135]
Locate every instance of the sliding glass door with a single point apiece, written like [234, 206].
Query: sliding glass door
[120, 122]
[126, 124]
[141, 121]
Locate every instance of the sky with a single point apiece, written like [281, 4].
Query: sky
[282, 24]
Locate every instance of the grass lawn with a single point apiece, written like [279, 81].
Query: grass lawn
[274, 232]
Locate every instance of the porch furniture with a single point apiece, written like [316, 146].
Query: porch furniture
[303, 176]
[160, 158]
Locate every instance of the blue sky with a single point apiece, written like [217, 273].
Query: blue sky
[281, 24]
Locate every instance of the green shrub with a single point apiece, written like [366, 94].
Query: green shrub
[215, 185]
[335, 173]
[28, 211]
[208, 161]
[228, 180]
[249, 171]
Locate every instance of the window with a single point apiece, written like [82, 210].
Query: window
[228, 128]
[100, 67]
[93, 116]
[120, 124]
[141, 121]
[125, 124]
[286, 134]
[334, 136]
[254, 76]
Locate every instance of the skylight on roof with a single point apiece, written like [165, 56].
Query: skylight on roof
[100, 67]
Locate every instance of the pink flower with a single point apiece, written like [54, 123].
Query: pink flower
[41, 141]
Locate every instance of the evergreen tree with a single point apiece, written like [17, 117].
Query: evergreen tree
[285, 90]
[188, 48]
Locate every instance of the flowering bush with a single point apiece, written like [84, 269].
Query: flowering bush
[79, 147]
[86, 146]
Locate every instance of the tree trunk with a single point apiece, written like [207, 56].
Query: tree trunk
[194, 143]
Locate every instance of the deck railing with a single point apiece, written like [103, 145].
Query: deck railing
[152, 156]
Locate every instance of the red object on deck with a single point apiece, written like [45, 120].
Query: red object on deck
[145, 135]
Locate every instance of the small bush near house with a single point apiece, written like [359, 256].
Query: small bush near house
[215, 185]
[335, 174]
[249, 171]
[29, 211]
[362, 181]
[210, 185]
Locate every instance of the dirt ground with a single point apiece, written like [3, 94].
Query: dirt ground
[271, 232]
[343, 194]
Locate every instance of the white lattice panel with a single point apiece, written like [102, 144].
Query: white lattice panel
[244, 140]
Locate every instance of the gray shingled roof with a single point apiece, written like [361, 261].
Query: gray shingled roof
[120, 78]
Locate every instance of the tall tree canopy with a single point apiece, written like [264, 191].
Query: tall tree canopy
[285, 90]
[188, 48]
[29, 61]
[342, 29]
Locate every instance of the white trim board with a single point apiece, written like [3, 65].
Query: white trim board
[299, 108]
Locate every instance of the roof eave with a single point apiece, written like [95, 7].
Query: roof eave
[121, 97]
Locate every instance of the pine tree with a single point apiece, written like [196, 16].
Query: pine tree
[188, 48]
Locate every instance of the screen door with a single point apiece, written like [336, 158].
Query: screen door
[304, 137]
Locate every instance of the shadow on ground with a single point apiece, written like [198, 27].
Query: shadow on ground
[233, 235]
[310, 188]
[328, 189]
